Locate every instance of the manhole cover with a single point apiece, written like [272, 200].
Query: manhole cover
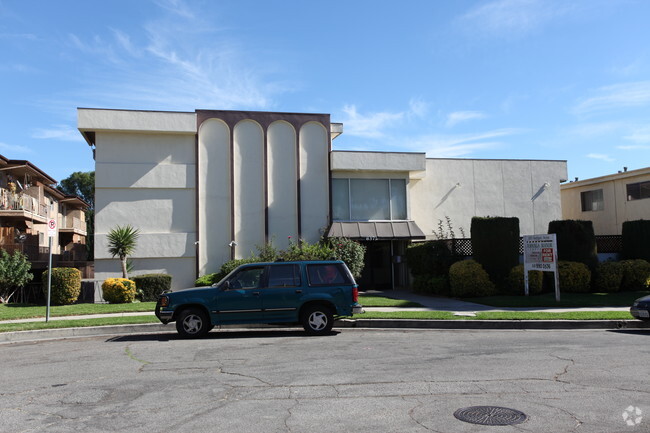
[490, 415]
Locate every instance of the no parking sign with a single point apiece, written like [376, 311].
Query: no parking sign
[51, 228]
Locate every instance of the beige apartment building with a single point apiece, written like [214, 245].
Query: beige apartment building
[207, 186]
[28, 199]
[609, 200]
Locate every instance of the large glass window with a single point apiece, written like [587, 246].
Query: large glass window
[592, 200]
[638, 191]
[369, 199]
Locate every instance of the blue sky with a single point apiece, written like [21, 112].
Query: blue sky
[521, 79]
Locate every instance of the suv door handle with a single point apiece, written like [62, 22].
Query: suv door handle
[298, 291]
[256, 293]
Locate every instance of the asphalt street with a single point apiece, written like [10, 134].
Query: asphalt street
[356, 380]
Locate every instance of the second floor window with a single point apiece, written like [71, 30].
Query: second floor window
[592, 200]
[368, 199]
[638, 191]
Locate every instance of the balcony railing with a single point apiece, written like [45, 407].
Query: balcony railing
[74, 223]
[20, 201]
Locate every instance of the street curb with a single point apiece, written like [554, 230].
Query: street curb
[494, 324]
[149, 328]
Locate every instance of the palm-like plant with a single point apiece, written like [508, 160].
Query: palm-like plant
[121, 243]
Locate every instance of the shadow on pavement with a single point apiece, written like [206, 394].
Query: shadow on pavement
[645, 332]
[218, 335]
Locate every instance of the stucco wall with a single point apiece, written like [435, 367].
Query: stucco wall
[147, 181]
[617, 209]
[464, 188]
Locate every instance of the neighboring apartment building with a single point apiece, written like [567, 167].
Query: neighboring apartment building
[28, 199]
[207, 186]
[608, 201]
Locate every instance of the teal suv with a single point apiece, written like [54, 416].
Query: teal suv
[310, 293]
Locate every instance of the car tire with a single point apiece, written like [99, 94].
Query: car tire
[317, 320]
[193, 323]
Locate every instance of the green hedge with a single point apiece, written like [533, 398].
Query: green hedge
[150, 286]
[636, 240]
[576, 241]
[468, 279]
[608, 277]
[516, 284]
[495, 245]
[66, 285]
[575, 277]
[636, 275]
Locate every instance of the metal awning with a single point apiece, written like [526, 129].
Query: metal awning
[376, 231]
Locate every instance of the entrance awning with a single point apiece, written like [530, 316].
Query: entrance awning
[376, 231]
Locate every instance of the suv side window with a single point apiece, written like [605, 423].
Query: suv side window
[284, 276]
[324, 274]
[248, 278]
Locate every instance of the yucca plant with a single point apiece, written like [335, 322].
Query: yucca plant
[121, 243]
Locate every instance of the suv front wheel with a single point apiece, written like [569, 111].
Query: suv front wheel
[317, 320]
[193, 323]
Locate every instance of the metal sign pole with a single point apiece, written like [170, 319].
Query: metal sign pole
[49, 283]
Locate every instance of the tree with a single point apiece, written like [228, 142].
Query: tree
[14, 274]
[121, 243]
[82, 184]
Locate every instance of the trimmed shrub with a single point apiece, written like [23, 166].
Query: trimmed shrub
[351, 252]
[575, 277]
[468, 278]
[152, 285]
[206, 280]
[431, 258]
[576, 241]
[516, 284]
[495, 245]
[118, 290]
[636, 240]
[608, 277]
[431, 285]
[66, 285]
[302, 250]
[636, 274]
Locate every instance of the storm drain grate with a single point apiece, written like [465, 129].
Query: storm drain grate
[490, 415]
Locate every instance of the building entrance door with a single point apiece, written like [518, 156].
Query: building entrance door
[377, 272]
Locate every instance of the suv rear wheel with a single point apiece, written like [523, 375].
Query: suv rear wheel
[317, 320]
[193, 323]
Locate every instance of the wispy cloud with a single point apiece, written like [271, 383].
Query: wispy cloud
[601, 156]
[58, 132]
[458, 145]
[13, 149]
[634, 147]
[641, 135]
[169, 65]
[457, 117]
[371, 125]
[616, 96]
[512, 17]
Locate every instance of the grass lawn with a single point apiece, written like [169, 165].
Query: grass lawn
[80, 323]
[494, 315]
[27, 311]
[620, 299]
[379, 301]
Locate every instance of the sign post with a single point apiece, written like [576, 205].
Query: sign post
[540, 254]
[51, 232]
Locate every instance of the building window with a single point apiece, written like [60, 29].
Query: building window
[638, 191]
[368, 199]
[592, 200]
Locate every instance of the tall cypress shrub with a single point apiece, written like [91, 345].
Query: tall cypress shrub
[495, 245]
[636, 240]
[576, 241]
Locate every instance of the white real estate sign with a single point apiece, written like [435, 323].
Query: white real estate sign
[540, 254]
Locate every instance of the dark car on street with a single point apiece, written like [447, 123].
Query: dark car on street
[641, 308]
[310, 293]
